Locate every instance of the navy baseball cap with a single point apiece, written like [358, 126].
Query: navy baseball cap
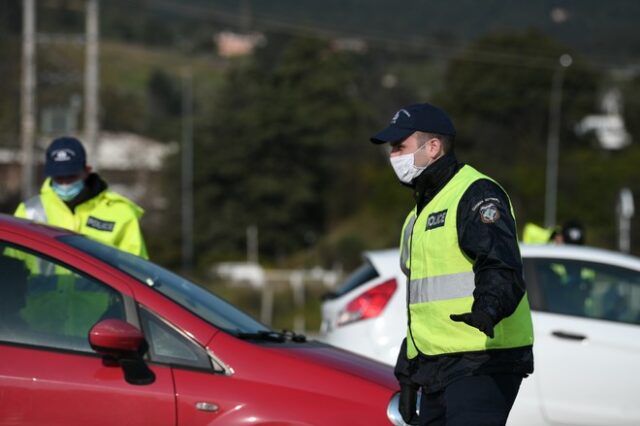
[65, 157]
[418, 117]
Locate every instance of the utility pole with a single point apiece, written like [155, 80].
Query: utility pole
[625, 210]
[553, 141]
[245, 16]
[28, 121]
[187, 170]
[91, 79]
[252, 244]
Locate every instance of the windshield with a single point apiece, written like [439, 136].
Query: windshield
[196, 299]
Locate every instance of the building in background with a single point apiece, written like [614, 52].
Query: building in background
[231, 44]
[609, 127]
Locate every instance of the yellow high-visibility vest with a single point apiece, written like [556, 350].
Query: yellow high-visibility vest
[535, 234]
[62, 306]
[109, 217]
[441, 281]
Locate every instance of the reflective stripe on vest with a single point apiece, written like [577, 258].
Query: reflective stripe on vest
[442, 287]
[34, 209]
[404, 250]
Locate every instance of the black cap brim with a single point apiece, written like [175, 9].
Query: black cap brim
[391, 134]
[64, 169]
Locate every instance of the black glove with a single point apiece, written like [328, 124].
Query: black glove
[407, 405]
[478, 319]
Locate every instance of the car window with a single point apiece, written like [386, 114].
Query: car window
[590, 290]
[194, 298]
[534, 293]
[366, 272]
[44, 303]
[168, 346]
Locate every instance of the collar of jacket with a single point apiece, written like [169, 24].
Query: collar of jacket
[434, 178]
[93, 185]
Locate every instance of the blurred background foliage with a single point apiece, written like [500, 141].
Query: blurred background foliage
[281, 136]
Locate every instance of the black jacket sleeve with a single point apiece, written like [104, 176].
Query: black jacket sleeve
[487, 234]
[404, 366]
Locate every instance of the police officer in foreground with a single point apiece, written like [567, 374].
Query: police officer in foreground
[469, 336]
[74, 198]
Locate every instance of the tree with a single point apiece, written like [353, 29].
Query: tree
[501, 110]
[632, 108]
[273, 153]
[164, 106]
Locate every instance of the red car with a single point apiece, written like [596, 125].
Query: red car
[90, 335]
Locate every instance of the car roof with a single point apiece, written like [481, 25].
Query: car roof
[568, 251]
[30, 228]
[386, 261]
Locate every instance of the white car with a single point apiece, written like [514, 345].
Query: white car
[586, 315]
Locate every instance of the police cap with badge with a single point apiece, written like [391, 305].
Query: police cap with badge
[65, 157]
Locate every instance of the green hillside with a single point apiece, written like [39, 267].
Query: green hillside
[602, 30]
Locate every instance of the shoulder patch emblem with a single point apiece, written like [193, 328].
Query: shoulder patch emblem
[489, 213]
[100, 225]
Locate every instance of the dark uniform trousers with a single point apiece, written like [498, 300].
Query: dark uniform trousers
[483, 400]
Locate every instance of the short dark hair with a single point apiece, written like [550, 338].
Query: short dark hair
[446, 140]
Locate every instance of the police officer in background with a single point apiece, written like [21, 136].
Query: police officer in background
[571, 232]
[469, 336]
[74, 198]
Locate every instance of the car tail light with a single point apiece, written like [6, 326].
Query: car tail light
[369, 304]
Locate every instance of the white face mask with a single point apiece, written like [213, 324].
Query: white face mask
[405, 168]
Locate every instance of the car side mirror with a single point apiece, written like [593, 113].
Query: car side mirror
[116, 338]
[121, 343]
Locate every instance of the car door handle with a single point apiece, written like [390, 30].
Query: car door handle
[569, 336]
[206, 406]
